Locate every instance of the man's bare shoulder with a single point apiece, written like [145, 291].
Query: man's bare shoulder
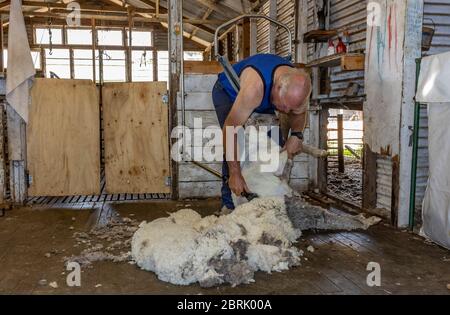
[250, 78]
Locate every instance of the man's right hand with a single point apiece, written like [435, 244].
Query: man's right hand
[237, 184]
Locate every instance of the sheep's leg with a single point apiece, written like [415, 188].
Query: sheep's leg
[306, 217]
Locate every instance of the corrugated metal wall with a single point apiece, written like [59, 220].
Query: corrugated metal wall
[438, 11]
[285, 14]
[384, 182]
[351, 16]
[262, 26]
[422, 162]
[436, 15]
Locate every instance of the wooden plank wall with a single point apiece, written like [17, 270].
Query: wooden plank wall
[194, 182]
[2, 155]
[63, 138]
[136, 138]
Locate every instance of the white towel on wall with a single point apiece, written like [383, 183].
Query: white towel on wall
[21, 69]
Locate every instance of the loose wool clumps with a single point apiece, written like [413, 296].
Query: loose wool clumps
[185, 248]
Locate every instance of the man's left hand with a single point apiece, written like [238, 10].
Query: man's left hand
[293, 147]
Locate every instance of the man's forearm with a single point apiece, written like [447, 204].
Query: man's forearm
[234, 166]
[297, 122]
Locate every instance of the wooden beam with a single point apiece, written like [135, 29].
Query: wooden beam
[202, 67]
[246, 38]
[175, 71]
[163, 10]
[220, 8]
[84, 7]
[204, 17]
[117, 17]
[209, 67]
[5, 4]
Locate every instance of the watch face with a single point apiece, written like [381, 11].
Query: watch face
[298, 135]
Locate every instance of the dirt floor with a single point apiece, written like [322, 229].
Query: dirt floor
[34, 241]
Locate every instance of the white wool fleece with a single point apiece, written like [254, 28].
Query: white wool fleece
[181, 247]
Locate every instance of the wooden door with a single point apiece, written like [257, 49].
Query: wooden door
[136, 138]
[63, 138]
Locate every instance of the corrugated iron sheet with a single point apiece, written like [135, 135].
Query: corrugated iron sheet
[384, 182]
[437, 14]
[422, 162]
[262, 26]
[351, 16]
[286, 15]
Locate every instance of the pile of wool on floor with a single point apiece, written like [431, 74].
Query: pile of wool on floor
[110, 242]
[185, 248]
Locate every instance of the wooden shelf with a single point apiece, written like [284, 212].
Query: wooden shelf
[319, 36]
[347, 61]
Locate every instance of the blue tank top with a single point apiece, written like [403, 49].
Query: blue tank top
[265, 65]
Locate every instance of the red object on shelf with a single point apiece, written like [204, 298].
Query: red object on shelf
[340, 47]
[331, 50]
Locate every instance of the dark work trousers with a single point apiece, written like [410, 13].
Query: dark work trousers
[222, 105]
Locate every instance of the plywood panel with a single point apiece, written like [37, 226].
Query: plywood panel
[63, 138]
[136, 138]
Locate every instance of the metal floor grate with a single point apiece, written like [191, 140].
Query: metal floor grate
[103, 197]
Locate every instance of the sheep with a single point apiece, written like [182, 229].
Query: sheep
[185, 248]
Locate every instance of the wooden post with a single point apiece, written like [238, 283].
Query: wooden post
[94, 45]
[322, 164]
[175, 76]
[246, 38]
[2, 60]
[272, 27]
[229, 47]
[340, 135]
[72, 63]
[369, 178]
[253, 37]
[155, 58]
[2, 157]
[129, 59]
[17, 156]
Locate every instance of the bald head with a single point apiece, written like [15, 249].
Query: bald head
[291, 90]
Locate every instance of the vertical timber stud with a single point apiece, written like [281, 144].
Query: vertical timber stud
[154, 57]
[175, 75]
[340, 140]
[272, 27]
[94, 45]
[253, 37]
[322, 164]
[369, 178]
[2, 156]
[17, 156]
[412, 51]
[129, 44]
[229, 47]
[246, 38]
[2, 60]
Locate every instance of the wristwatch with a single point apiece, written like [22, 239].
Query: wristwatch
[297, 134]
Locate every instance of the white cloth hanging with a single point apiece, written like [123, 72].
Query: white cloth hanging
[434, 90]
[20, 66]
[434, 77]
